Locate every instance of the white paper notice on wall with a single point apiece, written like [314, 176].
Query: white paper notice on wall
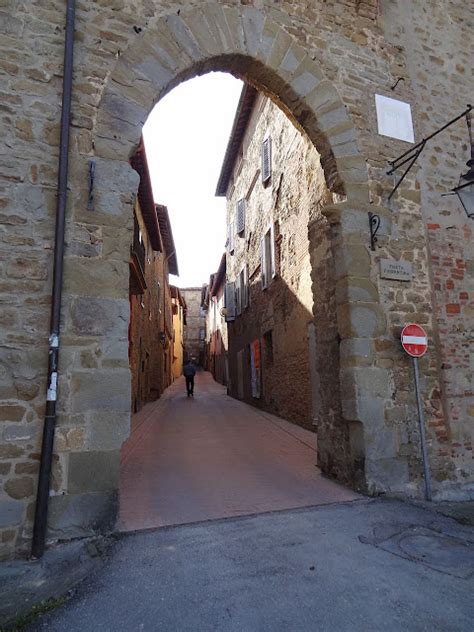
[394, 118]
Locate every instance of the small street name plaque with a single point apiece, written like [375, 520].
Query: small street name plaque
[396, 270]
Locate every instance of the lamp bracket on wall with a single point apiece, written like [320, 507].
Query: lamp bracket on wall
[410, 157]
[374, 225]
[90, 196]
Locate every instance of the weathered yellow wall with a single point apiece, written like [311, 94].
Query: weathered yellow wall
[178, 342]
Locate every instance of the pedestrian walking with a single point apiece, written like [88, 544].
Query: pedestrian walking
[189, 371]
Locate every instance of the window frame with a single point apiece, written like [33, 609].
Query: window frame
[230, 238]
[266, 160]
[267, 255]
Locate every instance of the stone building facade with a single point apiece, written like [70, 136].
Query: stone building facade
[152, 257]
[322, 62]
[217, 344]
[275, 187]
[195, 328]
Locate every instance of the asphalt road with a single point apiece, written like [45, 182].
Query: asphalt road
[362, 566]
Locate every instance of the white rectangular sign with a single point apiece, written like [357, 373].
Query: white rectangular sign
[414, 340]
[394, 118]
[396, 270]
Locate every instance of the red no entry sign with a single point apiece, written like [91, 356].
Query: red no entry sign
[414, 340]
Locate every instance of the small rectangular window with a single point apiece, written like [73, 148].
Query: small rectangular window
[268, 256]
[238, 295]
[230, 238]
[266, 160]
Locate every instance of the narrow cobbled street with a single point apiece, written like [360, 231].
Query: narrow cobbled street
[210, 456]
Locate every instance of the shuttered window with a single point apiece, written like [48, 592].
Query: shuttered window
[242, 290]
[268, 263]
[240, 216]
[272, 251]
[238, 296]
[230, 237]
[266, 160]
[263, 263]
[246, 294]
[230, 302]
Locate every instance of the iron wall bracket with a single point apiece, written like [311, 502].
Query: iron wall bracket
[374, 225]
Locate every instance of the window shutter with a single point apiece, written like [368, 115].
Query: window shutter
[238, 296]
[240, 216]
[272, 250]
[266, 160]
[263, 255]
[230, 301]
[246, 287]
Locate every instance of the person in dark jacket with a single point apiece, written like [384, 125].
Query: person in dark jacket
[189, 371]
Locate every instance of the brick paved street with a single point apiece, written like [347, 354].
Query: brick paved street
[211, 456]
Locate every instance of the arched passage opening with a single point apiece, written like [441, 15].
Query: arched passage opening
[189, 460]
[172, 49]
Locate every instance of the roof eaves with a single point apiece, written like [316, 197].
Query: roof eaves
[241, 119]
[219, 276]
[145, 196]
[162, 215]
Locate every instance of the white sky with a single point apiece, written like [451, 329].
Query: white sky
[185, 138]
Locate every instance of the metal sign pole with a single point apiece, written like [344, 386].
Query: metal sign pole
[421, 419]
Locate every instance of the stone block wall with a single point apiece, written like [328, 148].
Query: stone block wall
[295, 193]
[438, 47]
[322, 62]
[149, 354]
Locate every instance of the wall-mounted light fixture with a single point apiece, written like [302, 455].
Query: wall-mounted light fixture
[465, 188]
[90, 195]
[374, 225]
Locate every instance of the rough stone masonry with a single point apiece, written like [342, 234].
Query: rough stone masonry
[322, 62]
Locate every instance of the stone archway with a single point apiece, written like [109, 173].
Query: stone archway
[173, 48]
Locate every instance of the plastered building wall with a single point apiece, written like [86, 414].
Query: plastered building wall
[178, 331]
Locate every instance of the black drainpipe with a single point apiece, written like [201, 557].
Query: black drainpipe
[41, 514]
